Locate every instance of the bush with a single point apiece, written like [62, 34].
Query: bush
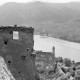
[67, 62]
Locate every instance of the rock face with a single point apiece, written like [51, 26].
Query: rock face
[16, 46]
[5, 74]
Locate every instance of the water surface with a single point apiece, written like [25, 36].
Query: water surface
[62, 48]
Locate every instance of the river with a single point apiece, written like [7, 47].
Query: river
[63, 48]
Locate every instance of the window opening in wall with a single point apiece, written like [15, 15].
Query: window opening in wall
[5, 42]
[19, 72]
[9, 62]
[15, 35]
[27, 49]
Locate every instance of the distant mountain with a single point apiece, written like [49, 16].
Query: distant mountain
[38, 12]
[56, 19]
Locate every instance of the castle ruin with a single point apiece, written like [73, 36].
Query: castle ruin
[16, 46]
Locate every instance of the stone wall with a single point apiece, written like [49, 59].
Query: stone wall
[16, 46]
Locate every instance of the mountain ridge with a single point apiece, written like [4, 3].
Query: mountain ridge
[34, 11]
[61, 20]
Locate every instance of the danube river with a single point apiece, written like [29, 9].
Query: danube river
[63, 48]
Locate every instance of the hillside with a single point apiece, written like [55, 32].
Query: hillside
[38, 12]
[61, 20]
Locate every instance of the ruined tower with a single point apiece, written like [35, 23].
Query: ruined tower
[16, 46]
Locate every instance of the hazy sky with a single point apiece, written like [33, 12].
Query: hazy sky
[54, 1]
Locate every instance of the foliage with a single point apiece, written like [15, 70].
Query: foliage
[59, 59]
[67, 62]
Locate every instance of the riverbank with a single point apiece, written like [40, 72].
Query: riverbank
[63, 48]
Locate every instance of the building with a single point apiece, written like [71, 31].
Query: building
[45, 60]
[49, 55]
[16, 46]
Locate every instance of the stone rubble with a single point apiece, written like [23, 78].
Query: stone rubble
[55, 71]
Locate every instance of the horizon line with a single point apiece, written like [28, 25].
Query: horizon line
[41, 1]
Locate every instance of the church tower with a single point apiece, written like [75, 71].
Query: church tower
[53, 51]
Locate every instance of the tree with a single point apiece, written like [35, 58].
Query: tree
[59, 59]
[67, 62]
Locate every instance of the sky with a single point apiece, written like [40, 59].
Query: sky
[51, 1]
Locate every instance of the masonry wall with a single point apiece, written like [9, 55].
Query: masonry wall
[17, 51]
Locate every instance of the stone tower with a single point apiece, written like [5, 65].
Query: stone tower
[16, 46]
[53, 51]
